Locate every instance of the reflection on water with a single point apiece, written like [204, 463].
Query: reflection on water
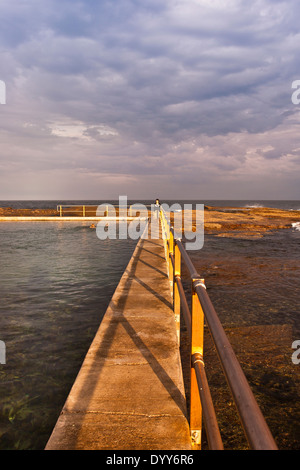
[56, 280]
[254, 286]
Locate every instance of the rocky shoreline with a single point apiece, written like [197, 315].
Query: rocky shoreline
[250, 223]
[10, 212]
[245, 222]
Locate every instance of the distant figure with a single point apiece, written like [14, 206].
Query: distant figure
[93, 226]
[156, 208]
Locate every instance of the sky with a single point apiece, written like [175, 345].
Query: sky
[176, 99]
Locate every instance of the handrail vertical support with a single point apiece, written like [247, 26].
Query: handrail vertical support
[176, 296]
[171, 268]
[197, 332]
[60, 211]
[83, 211]
[163, 229]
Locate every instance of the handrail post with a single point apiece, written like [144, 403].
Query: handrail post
[176, 296]
[165, 237]
[171, 252]
[60, 211]
[197, 331]
[83, 211]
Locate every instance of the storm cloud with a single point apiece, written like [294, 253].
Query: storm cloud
[181, 99]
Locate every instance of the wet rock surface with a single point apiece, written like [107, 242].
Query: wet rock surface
[10, 212]
[247, 223]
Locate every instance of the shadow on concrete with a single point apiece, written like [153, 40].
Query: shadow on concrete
[153, 253]
[153, 267]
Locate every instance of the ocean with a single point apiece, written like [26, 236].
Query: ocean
[56, 280]
[282, 204]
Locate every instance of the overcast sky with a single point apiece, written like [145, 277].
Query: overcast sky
[174, 99]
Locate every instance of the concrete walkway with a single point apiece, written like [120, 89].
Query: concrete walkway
[129, 393]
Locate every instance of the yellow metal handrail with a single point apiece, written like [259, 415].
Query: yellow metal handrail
[84, 210]
[255, 427]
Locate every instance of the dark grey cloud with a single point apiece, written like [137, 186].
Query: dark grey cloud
[137, 89]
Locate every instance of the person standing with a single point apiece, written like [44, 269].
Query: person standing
[157, 207]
